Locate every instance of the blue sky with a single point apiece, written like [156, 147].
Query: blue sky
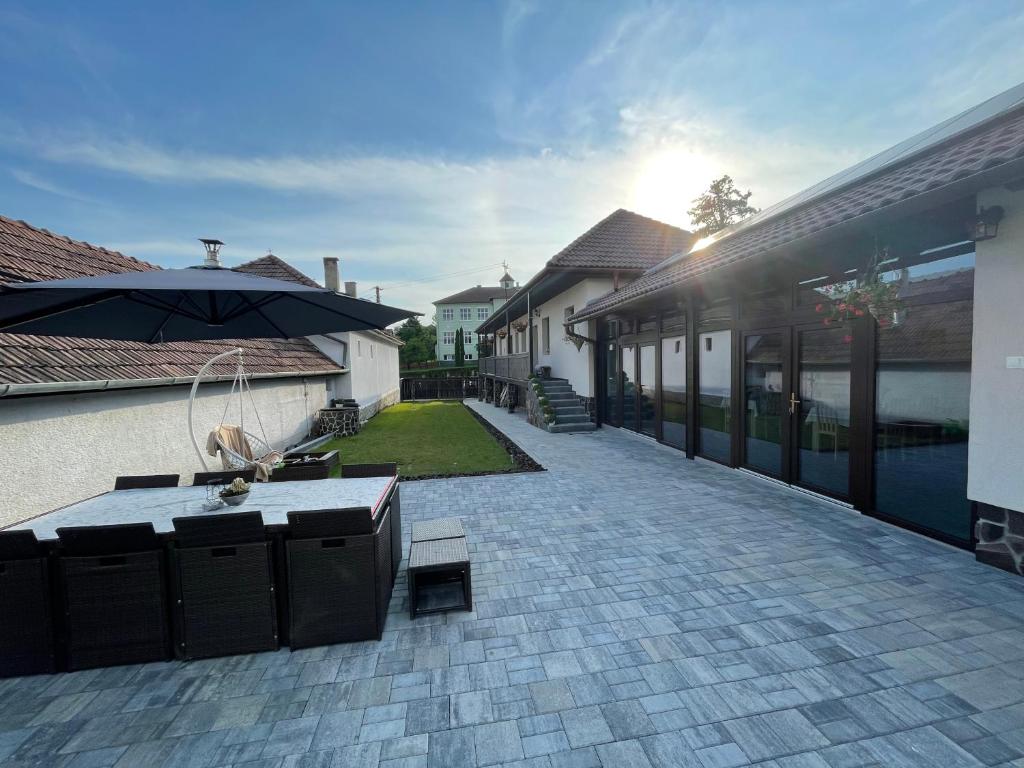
[416, 139]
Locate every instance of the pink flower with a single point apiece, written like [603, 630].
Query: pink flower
[828, 321]
[842, 307]
[819, 307]
[859, 312]
[847, 339]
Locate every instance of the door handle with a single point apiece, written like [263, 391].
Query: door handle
[793, 403]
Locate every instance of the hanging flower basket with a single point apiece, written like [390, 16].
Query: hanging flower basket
[870, 295]
[502, 333]
[519, 325]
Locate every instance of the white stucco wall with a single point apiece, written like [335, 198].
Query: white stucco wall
[373, 379]
[996, 448]
[565, 360]
[61, 448]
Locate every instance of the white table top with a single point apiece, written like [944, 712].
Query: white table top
[161, 505]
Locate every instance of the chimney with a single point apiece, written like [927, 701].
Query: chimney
[332, 278]
[350, 288]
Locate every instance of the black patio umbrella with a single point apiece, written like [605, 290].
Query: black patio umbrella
[199, 303]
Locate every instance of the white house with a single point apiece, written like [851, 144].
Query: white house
[76, 413]
[611, 253]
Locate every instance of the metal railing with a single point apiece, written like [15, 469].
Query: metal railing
[439, 389]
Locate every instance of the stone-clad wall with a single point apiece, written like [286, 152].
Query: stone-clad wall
[1000, 534]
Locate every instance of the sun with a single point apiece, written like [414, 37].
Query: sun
[668, 181]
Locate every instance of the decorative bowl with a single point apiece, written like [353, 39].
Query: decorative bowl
[235, 499]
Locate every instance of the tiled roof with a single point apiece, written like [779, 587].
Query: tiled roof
[623, 240]
[482, 294]
[276, 269]
[28, 253]
[993, 145]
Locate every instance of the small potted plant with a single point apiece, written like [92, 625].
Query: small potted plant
[236, 493]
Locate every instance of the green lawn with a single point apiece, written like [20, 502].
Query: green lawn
[434, 438]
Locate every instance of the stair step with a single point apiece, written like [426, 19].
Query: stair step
[563, 428]
[563, 398]
[571, 418]
[569, 410]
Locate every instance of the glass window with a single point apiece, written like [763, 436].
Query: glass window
[716, 313]
[611, 384]
[715, 375]
[763, 402]
[629, 386]
[673, 391]
[648, 324]
[447, 313]
[647, 389]
[465, 313]
[824, 415]
[922, 398]
[545, 325]
[763, 303]
[448, 337]
[482, 313]
[815, 290]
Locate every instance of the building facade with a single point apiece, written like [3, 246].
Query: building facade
[466, 310]
[857, 341]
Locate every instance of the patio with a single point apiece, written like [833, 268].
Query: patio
[631, 608]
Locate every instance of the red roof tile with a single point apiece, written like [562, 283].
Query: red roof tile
[28, 253]
[276, 269]
[623, 240]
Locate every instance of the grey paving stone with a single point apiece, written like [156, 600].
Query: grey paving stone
[291, 737]
[627, 719]
[427, 716]
[670, 750]
[775, 734]
[452, 749]
[585, 727]
[471, 708]
[625, 753]
[497, 743]
[551, 696]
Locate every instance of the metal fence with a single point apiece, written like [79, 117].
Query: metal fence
[507, 366]
[439, 389]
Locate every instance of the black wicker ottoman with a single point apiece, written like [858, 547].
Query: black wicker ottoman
[439, 571]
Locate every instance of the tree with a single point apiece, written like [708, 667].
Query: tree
[419, 342]
[721, 205]
[460, 348]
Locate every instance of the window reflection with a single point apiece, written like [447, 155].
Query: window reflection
[673, 391]
[629, 386]
[824, 395]
[922, 398]
[762, 382]
[715, 373]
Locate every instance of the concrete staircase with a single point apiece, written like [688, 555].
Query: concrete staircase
[569, 414]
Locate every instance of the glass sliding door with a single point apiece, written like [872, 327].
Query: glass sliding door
[628, 368]
[673, 391]
[922, 399]
[822, 407]
[647, 390]
[715, 376]
[611, 384]
[764, 409]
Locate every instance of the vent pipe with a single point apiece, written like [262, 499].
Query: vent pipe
[332, 276]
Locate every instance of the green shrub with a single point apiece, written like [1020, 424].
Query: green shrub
[543, 401]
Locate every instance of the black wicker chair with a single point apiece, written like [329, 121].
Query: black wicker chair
[128, 482]
[339, 577]
[369, 470]
[224, 477]
[112, 586]
[26, 632]
[383, 470]
[223, 586]
[300, 472]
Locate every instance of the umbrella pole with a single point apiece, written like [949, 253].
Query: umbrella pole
[192, 398]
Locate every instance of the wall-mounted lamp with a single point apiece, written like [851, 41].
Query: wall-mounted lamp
[986, 224]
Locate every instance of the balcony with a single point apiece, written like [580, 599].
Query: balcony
[506, 367]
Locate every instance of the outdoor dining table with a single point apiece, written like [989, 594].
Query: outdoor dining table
[160, 506]
[274, 501]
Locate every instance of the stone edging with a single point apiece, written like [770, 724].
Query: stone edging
[521, 460]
